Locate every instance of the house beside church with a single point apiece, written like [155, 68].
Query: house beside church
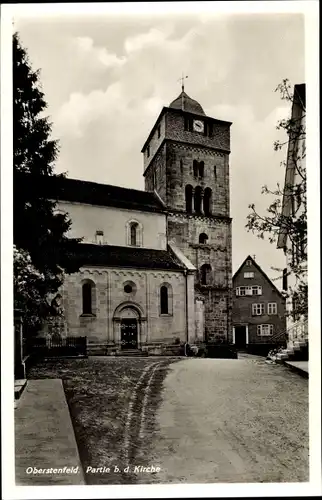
[155, 265]
[259, 322]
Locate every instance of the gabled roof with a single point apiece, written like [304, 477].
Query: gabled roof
[260, 270]
[60, 188]
[87, 254]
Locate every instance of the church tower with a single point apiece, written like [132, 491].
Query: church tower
[186, 162]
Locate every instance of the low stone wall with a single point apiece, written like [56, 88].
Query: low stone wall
[152, 349]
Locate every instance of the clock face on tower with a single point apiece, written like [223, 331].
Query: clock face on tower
[198, 126]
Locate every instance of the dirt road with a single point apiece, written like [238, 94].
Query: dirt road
[232, 421]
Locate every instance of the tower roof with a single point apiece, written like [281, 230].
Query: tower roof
[184, 102]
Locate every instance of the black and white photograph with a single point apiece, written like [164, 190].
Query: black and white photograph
[160, 249]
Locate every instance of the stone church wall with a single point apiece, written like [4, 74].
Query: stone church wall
[87, 219]
[110, 299]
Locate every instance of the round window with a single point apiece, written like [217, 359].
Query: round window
[128, 289]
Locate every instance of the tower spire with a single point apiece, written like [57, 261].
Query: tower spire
[182, 79]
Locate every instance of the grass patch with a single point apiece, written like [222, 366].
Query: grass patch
[98, 392]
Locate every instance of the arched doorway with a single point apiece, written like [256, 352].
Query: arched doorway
[129, 329]
[129, 326]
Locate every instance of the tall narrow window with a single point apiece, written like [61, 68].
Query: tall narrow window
[87, 298]
[189, 198]
[164, 300]
[195, 168]
[215, 171]
[159, 131]
[201, 169]
[198, 200]
[207, 201]
[133, 233]
[205, 274]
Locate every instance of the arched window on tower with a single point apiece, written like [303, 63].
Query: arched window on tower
[201, 169]
[133, 233]
[195, 168]
[205, 274]
[203, 238]
[198, 200]
[189, 198]
[207, 201]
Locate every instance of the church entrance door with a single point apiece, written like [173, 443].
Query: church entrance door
[129, 333]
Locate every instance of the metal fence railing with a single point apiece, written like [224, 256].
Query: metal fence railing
[48, 347]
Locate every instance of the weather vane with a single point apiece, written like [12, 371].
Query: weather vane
[182, 79]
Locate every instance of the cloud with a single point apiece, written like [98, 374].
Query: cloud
[109, 81]
[85, 48]
[151, 38]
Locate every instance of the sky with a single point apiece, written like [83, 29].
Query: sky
[107, 77]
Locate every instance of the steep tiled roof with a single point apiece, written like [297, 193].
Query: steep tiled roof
[65, 189]
[110, 256]
[260, 270]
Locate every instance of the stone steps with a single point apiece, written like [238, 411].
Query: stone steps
[296, 351]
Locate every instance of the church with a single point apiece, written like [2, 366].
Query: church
[155, 265]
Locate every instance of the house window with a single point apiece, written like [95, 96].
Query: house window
[203, 238]
[99, 237]
[248, 263]
[272, 308]
[249, 290]
[133, 233]
[249, 275]
[258, 309]
[264, 330]
[88, 292]
[205, 274]
[166, 299]
[189, 198]
[207, 201]
[285, 279]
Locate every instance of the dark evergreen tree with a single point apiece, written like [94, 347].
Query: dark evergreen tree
[43, 253]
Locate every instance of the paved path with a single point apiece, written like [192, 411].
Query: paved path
[232, 421]
[44, 435]
[300, 366]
